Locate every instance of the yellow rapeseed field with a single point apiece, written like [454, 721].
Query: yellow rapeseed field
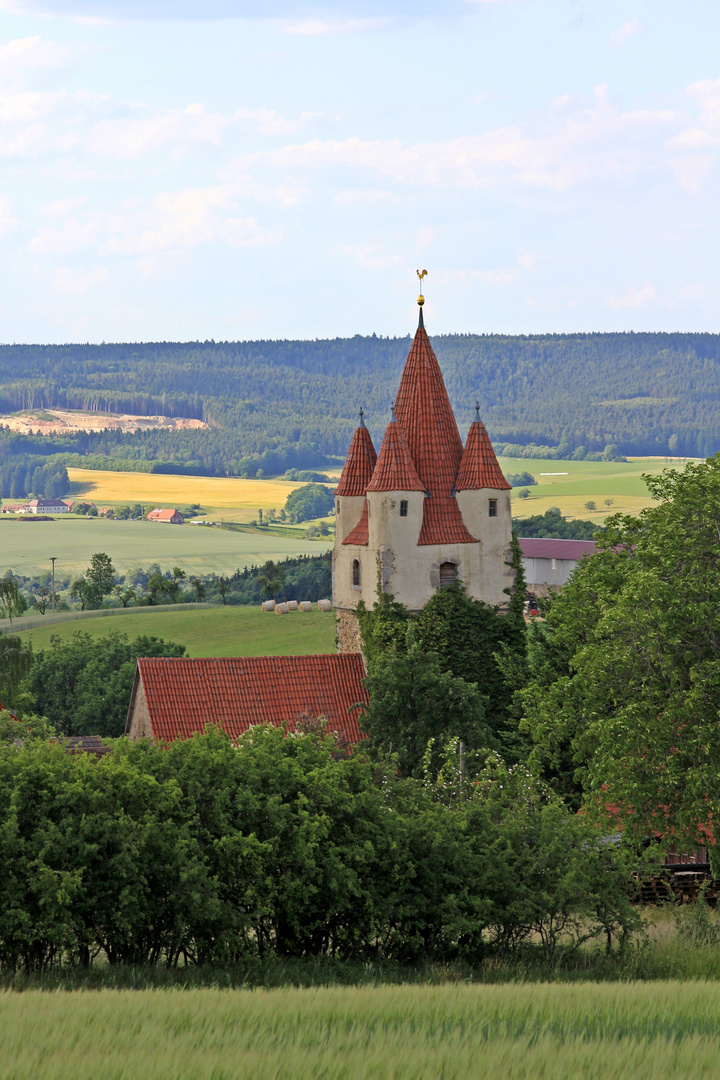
[233, 499]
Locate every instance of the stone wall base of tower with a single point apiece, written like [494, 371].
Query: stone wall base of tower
[349, 639]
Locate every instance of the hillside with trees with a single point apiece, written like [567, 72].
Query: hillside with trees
[274, 405]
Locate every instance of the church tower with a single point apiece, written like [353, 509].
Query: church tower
[425, 513]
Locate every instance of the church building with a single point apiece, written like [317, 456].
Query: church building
[426, 511]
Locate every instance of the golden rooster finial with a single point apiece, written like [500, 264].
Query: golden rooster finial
[421, 274]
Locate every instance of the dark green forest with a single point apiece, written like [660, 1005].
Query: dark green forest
[273, 405]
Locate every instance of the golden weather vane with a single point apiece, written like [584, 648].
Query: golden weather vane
[421, 274]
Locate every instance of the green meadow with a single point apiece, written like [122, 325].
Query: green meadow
[207, 631]
[515, 1032]
[570, 484]
[26, 546]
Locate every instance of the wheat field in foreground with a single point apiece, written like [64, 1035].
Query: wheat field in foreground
[583, 1030]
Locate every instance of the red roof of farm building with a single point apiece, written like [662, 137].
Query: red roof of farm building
[162, 515]
[537, 547]
[184, 695]
[359, 463]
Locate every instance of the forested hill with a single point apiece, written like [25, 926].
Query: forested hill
[647, 393]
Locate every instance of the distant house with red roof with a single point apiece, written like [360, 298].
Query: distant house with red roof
[427, 511]
[47, 506]
[174, 698]
[169, 517]
[548, 563]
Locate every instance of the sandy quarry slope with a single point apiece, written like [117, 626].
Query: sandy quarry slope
[64, 422]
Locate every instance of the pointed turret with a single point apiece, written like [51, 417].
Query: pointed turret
[479, 467]
[395, 470]
[424, 412]
[426, 417]
[359, 463]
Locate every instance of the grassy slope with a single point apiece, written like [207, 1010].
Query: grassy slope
[27, 546]
[604, 1032]
[586, 480]
[229, 631]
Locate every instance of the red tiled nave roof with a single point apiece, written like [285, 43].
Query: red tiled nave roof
[479, 467]
[184, 695]
[360, 534]
[359, 464]
[395, 470]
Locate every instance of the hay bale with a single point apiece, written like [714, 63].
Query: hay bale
[305, 605]
[292, 605]
[281, 609]
[325, 605]
[268, 605]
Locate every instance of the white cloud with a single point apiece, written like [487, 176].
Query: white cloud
[22, 108]
[147, 130]
[184, 219]
[633, 298]
[29, 140]
[599, 144]
[362, 195]
[71, 282]
[690, 291]
[692, 170]
[707, 94]
[62, 206]
[627, 30]
[6, 218]
[72, 237]
[370, 256]
[245, 232]
[315, 27]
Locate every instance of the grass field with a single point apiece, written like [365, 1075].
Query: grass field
[517, 1032]
[217, 631]
[584, 481]
[27, 546]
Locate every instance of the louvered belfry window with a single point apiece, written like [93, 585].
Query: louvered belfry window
[403, 507]
[448, 574]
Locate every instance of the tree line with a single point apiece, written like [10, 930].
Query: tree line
[273, 405]
[285, 845]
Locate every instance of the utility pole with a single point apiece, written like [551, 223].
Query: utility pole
[52, 599]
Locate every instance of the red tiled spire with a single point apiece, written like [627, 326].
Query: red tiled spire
[479, 467]
[424, 412]
[395, 470]
[426, 417]
[359, 463]
[360, 535]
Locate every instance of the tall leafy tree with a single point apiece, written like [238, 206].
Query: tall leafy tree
[412, 700]
[100, 575]
[83, 684]
[639, 701]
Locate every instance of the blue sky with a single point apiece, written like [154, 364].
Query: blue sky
[242, 169]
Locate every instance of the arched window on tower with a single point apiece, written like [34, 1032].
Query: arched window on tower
[448, 575]
[356, 572]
